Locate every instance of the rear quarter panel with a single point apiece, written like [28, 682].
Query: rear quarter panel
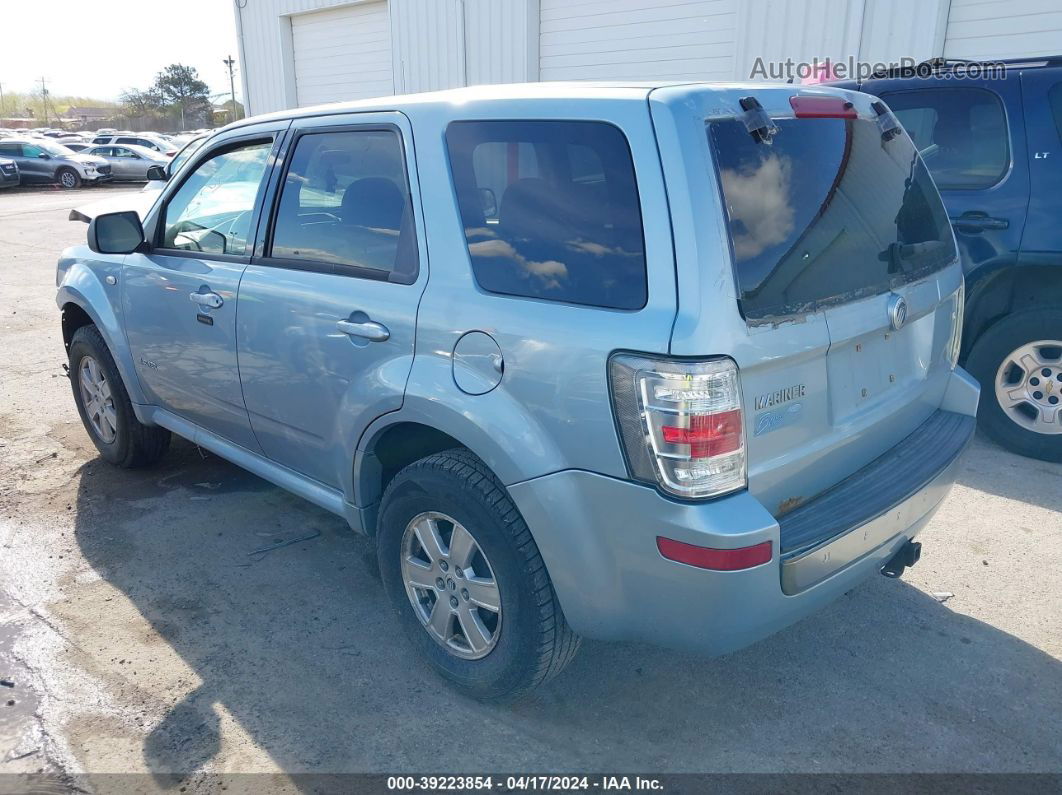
[552, 409]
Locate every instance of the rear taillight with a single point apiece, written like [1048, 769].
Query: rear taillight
[681, 423]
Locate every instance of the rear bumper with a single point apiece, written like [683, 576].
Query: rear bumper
[597, 536]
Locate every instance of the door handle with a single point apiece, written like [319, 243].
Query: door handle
[211, 300]
[367, 330]
[977, 222]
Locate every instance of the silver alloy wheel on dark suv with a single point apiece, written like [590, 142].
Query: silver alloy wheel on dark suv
[1029, 386]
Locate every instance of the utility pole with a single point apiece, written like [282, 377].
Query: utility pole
[44, 99]
[229, 62]
[3, 104]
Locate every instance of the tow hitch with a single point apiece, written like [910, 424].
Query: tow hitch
[907, 555]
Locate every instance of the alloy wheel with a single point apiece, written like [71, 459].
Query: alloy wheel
[1029, 386]
[97, 399]
[451, 585]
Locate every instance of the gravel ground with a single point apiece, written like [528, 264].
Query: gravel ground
[140, 635]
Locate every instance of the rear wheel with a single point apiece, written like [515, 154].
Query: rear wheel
[466, 579]
[68, 178]
[1018, 362]
[105, 408]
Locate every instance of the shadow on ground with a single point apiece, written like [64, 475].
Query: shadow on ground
[991, 469]
[298, 646]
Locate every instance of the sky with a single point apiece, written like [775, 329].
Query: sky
[100, 49]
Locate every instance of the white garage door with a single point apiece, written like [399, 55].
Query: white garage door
[636, 40]
[342, 54]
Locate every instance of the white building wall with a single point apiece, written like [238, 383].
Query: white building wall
[777, 30]
[435, 44]
[637, 40]
[1003, 29]
[444, 43]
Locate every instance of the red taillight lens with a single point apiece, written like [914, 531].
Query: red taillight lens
[715, 559]
[822, 108]
[708, 434]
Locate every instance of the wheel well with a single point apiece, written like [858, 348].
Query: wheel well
[74, 317]
[1007, 291]
[394, 448]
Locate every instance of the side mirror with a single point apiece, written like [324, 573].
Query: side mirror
[116, 233]
[157, 174]
[44, 156]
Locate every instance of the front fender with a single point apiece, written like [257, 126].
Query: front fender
[82, 284]
[495, 426]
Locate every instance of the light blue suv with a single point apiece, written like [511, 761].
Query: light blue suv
[663, 363]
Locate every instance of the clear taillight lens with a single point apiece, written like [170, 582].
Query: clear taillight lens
[955, 343]
[681, 423]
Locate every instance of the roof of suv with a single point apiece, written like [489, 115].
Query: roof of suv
[944, 65]
[578, 90]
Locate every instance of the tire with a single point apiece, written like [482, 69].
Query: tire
[532, 642]
[132, 444]
[68, 179]
[1019, 426]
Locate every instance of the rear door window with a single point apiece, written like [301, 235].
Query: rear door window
[345, 204]
[829, 212]
[960, 132]
[550, 210]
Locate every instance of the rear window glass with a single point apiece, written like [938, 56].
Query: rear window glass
[550, 210]
[826, 213]
[960, 132]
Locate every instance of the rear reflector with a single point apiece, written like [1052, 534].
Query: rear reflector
[822, 108]
[715, 559]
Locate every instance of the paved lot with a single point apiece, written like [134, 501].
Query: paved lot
[142, 636]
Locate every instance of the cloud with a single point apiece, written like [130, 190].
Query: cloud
[759, 198]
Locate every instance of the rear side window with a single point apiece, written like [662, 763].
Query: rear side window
[346, 203]
[960, 132]
[550, 210]
[827, 213]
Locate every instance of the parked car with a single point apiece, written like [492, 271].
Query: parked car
[992, 145]
[171, 168]
[78, 146]
[146, 141]
[9, 176]
[670, 380]
[43, 161]
[129, 162]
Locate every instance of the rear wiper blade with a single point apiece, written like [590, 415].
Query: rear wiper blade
[760, 126]
[887, 123]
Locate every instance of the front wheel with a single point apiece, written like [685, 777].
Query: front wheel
[105, 408]
[68, 178]
[466, 579]
[1018, 362]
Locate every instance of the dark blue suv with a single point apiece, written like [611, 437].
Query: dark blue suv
[994, 147]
